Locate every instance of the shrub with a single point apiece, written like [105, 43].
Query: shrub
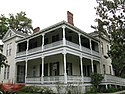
[36, 89]
[96, 79]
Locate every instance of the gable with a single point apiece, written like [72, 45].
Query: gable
[9, 34]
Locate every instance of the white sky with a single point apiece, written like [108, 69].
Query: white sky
[45, 13]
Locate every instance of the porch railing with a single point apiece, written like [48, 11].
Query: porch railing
[74, 79]
[33, 80]
[21, 53]
[53, 79]
[87, 50]
[95, 53]
[110, 79]
[71, 44]
[54, 44]
[35, 49]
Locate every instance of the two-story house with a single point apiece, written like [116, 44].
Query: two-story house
[59, 53]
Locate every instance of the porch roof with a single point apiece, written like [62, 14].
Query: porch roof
[59, 24]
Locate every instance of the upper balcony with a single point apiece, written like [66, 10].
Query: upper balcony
[55, 39]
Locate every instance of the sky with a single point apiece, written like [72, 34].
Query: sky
[45, 13]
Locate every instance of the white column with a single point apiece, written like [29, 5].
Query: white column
[92, 65]
[42, 80]
[27, 47]
[64, 36]
[43, 41]
[81, 63]
[90, 46]
[80, 42]
[26, 70]
[65, 74]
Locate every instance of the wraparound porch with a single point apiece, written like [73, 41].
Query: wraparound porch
[56, 68]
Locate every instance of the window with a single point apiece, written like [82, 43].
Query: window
[69, 38]
[102, 48]
[69, 68]
[107, 48]
[9, 49]
[55, 38]
[10, 34]
[54, 69]
[110, 69]
[104, 69]
[34, 71]
[46, 41]
[6, 72]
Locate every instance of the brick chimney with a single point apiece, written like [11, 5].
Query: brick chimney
[37, 29]
[70, 17]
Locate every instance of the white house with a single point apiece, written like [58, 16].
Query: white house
[60, 53]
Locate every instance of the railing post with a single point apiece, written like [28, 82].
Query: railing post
[27, 47]
[65, 74]
[80, 42]
[81, 63]
[42, 79]
[92, 65]
[64, 35]
[43, 35]
[25, 70]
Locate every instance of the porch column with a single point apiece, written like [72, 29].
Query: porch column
[65, 74]
[80, 42]
[64, 37]
[26, 70]
[92, 65]
[27, 47]
[90, 45]
[43, 41]
[81, 68]
[42, 80]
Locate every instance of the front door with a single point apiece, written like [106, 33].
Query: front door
[20, 73]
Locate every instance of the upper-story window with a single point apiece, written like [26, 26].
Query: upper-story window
[85, 42]
[95, 46]
[69, 38]
[107, 48]
[55, 38]
[9, 49]
[46, 41]
[102, 48]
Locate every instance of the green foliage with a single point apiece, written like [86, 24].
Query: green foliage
[96, 80]
[111, 22]
[37, 89]
[18, 22]
[2, 60]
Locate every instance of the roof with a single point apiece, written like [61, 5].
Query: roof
[59, 24]
[20, 33]
[14, 33]
[96, 34]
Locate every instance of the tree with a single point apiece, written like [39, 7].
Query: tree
[2, 60]
[19, 22]
[111, 22]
